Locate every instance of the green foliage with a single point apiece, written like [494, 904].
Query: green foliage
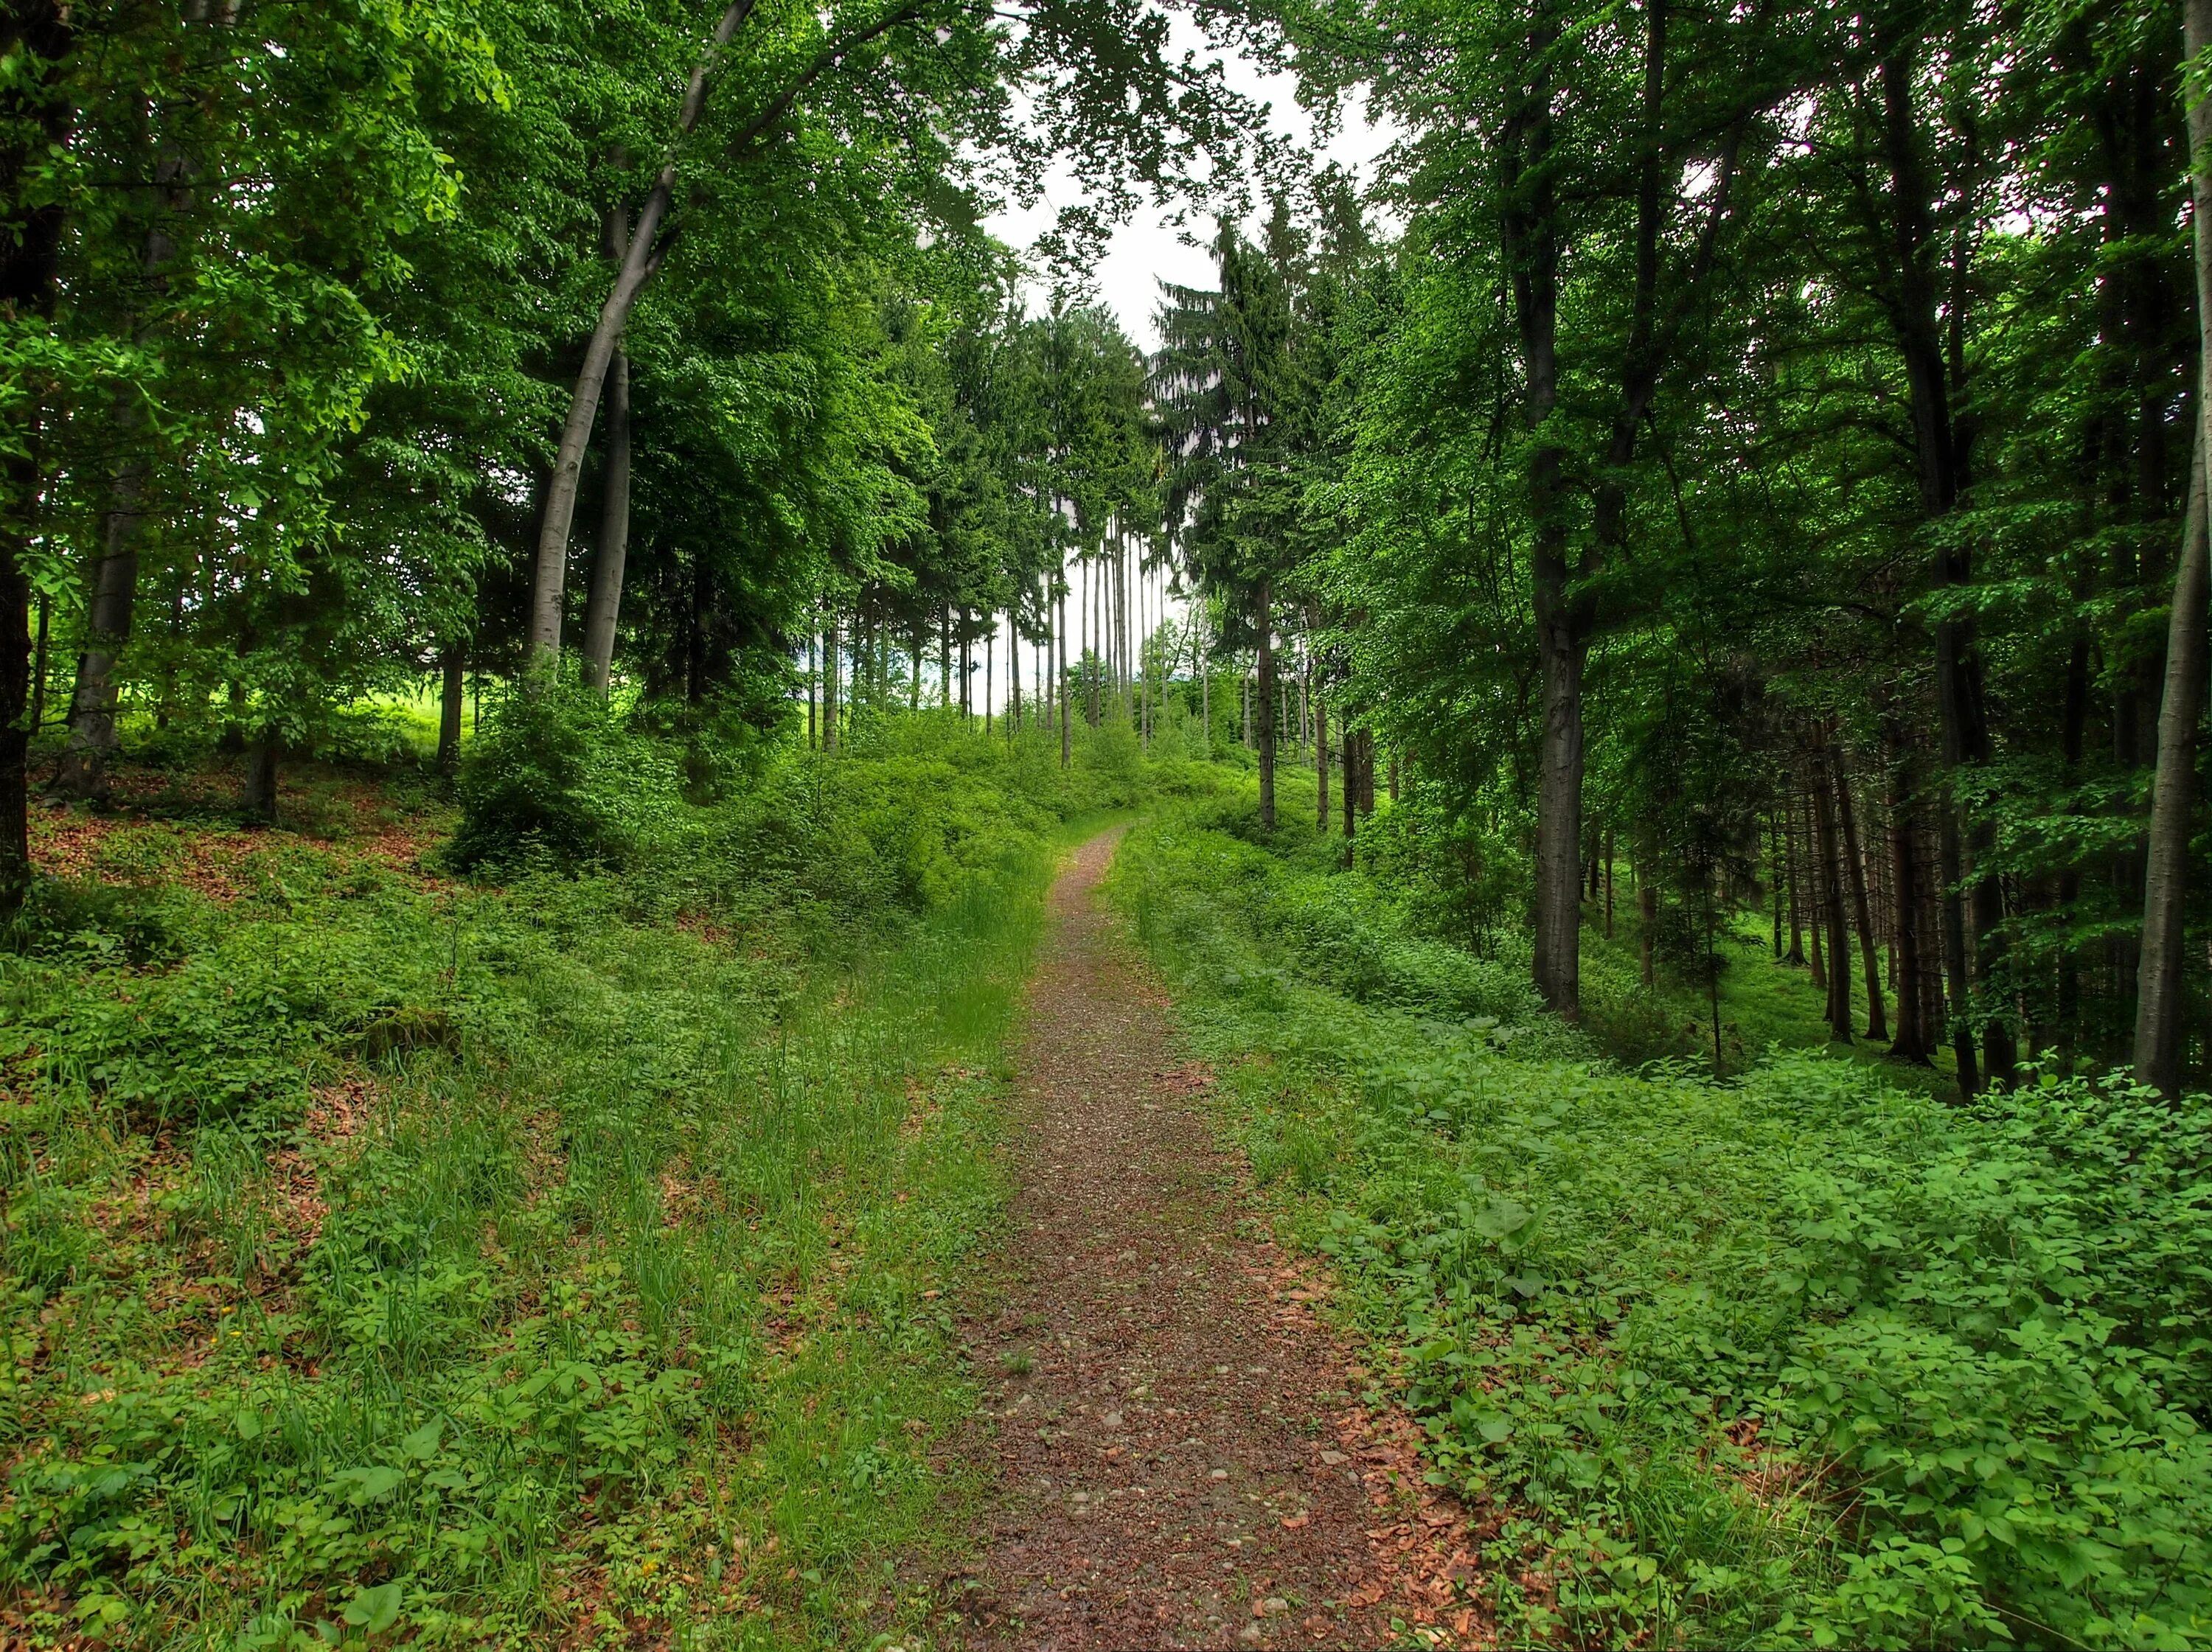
[562, 776]
[1803, 1357]
[398, 1258]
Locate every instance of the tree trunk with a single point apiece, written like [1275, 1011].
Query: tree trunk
[1608, 882]
[1320, 762]
[263, 757]
[1350, 741]
[2159, 1007]
[1832, 901]
[603, 607]
[1789, 857]
[1862, 911]
[641, 261]
[455, 666]
[833, 644]
[1066, 733]
[1266, 698]
[36, 40]
[1912, 1041]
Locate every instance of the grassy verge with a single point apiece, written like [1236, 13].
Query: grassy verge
[390, 1258]
[1798, 1357]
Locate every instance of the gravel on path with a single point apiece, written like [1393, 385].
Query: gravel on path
[1180, 1460]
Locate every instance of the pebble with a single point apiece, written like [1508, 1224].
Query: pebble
[1112, 1420]
[1334, 1459]
[1218, 1474]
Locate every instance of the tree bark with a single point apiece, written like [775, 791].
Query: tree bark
[641, 261]
[1911, 1042]
[1320, 762]
[1862, 910]
[1832, 900]
[833, 643]
[453, 690]
[1067, 732]
[602, 606]
[263, 758]
[2159, 1007]
[35, 120]
[1790, 841]
[1266, 616]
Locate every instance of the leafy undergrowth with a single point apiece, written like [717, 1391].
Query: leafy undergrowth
[1799, 1357]
[393, 1258]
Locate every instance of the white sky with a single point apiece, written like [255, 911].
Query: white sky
[1147, 249]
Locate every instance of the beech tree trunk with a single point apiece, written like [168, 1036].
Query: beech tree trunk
[603, 607]
[641, 261]
[2158, 1042]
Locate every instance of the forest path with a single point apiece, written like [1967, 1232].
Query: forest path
[1178, 1460]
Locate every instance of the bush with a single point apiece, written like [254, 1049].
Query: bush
[560, 778]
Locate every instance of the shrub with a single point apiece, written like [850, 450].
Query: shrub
[561, 777]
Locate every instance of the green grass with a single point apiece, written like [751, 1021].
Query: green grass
[1801, 1356]
[389, 1256]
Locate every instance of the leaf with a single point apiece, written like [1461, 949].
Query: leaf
[421, 1445]
[369, 1483]
[249, 1423]
[374, 1610]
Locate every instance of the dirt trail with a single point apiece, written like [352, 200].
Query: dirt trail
[1179, 1460]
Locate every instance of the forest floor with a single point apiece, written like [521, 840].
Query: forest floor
[1183, 1454]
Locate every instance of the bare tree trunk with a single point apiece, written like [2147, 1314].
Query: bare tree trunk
[1321, 761]
[453, 693]
[1266, 698]
[1911, 1040]
[603, 607]
[1832, 900]
[37, 40]
[2159, 1041]
[263, 757]
[833, 643]
[2160, 1006]
[1790, 841]
[641, 261]
[1608, 882]
[1862, 912]
[1067, 732]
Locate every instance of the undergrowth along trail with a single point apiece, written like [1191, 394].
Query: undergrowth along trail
[1801, 1356]
[570, 1258]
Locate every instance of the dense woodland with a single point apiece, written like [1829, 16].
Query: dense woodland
[1760, 454]
[1722, 513]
